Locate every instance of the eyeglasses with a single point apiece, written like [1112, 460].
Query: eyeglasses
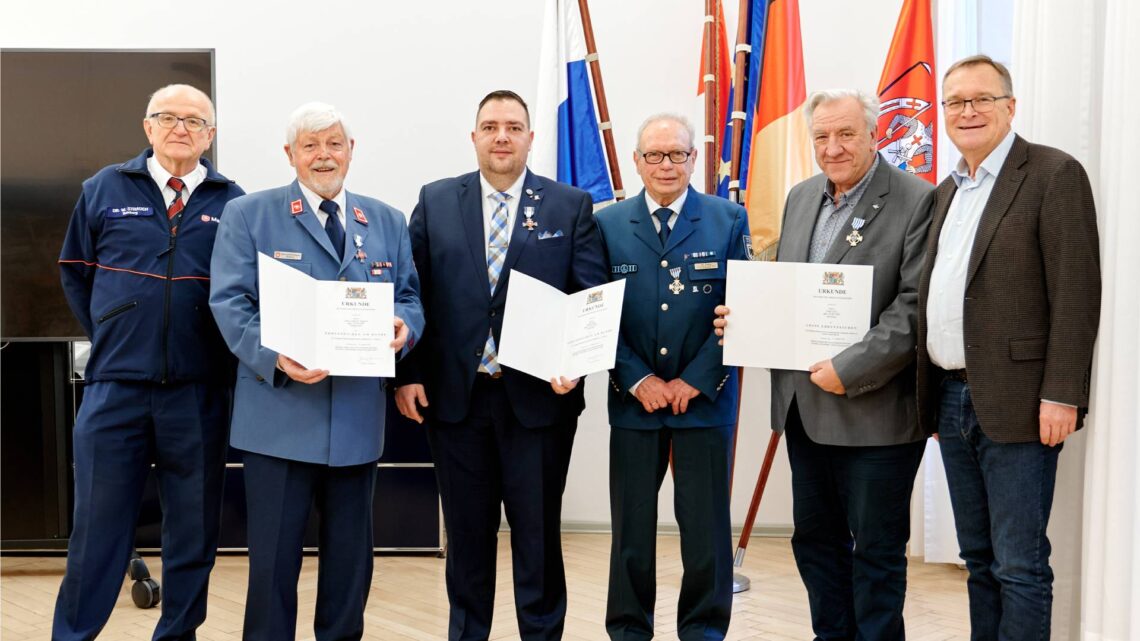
[658, 157]
[982, 104]
[170, 121]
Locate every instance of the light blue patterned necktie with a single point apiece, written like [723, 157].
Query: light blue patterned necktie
[496, 255]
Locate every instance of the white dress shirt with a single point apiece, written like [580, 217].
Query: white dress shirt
[945, 339]
[315, 200]
[674, 206]
[160, 176]
[490, 204]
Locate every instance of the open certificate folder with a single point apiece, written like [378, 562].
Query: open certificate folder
[548, 334]
[793, 315]
[342, 326]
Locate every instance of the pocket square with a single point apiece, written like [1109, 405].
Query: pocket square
[543, 235]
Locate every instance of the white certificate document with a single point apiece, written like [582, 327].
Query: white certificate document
[342, 326]
[793, 315]
[548, 334]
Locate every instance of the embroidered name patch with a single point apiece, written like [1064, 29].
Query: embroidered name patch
[129, 212]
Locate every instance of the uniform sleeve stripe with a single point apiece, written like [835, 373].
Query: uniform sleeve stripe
[131, 271]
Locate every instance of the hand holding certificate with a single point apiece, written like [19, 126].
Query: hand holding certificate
[548, 334]
[343, 327]
[793, 315]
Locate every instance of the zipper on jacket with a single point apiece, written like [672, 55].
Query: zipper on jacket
[119, 310]
[166, 306]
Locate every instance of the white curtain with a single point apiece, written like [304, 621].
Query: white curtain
[1075, 76]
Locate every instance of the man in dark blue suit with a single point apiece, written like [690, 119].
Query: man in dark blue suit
[669, 390]
[498, 436]
[307, 437]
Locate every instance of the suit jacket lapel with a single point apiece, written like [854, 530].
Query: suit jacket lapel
[521, 237]
[944, 195]
[308, 219]
[1006, 184]
[799, 222]
[470, 208]
[643, 228]
[870, 204]
[686, 221]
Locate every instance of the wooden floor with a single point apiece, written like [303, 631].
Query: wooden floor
[408, 599]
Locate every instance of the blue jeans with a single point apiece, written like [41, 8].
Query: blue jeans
[1001, 494]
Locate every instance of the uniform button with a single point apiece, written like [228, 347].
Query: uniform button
[664, 263]
[343, 278]
[664, 351]
[664, 307]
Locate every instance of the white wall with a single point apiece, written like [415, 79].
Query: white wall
[408, 76]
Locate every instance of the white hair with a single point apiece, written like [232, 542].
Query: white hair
[311, 117]
[164, 92]
[671, 117]
[870, 105]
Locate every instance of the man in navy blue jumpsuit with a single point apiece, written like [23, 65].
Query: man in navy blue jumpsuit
[135, 270]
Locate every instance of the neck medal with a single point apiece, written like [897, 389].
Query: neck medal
[676, 286]
[854, 238]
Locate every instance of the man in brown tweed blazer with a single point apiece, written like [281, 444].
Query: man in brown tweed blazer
[1009, 302]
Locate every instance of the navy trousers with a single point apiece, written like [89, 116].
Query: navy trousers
[639, 460]
[279, 494]
[486, 461]
[122, 428]
[851, 510]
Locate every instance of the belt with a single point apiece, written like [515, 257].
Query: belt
[955, 375]
[489, 377]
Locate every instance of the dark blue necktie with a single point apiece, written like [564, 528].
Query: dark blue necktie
[663, 215]
[333, 227]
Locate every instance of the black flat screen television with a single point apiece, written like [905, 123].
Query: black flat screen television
[65, 114]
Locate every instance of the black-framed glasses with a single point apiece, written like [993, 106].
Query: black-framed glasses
[982, 104]
[657, 157]
[193, 124]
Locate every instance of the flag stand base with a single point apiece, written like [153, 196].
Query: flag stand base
[740, 583]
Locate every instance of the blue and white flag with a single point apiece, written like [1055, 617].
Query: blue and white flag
[567, 143]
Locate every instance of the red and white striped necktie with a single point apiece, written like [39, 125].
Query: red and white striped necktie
[174, 212]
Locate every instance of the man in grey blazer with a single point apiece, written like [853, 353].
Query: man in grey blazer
[1009, 303]
[851, 423]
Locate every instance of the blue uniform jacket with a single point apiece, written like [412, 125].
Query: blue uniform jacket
[340, 420]
[670, 294]
[563, 250]
[140, 293]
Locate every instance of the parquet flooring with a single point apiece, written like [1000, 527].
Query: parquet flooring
[408, 600]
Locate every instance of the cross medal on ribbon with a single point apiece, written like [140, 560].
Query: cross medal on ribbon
[528, 211]
[854, 238]
[676, 286]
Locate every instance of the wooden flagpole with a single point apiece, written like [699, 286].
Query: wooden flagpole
[740, 92]
[603, 107]
[712, 158]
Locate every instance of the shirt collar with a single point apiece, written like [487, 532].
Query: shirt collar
[676, 206]
[514, 191]
[989, 167]
[853, 194]
[161, 176]
[314, 200]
